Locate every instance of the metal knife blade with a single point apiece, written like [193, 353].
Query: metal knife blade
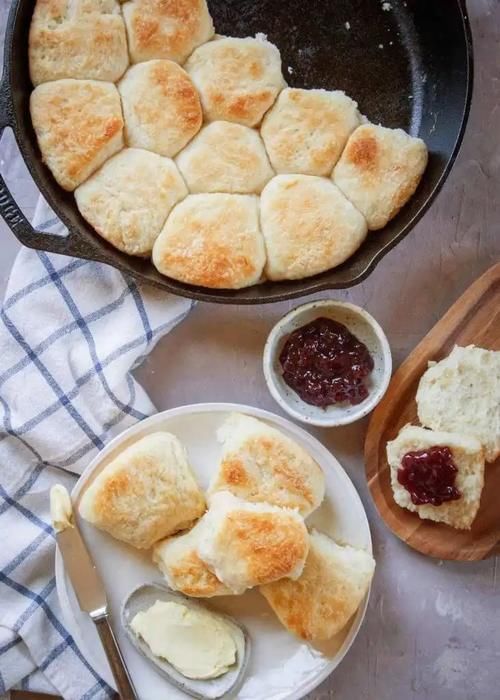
[92, 599]
[86, 581]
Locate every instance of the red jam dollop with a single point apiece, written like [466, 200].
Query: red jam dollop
[429, 476]
[326, 364]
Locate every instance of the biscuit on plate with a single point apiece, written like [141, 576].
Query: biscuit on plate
[238, 79]
[306, 130]
[308, 226]
[259, 463]
[184, 571]
[79, 125]
[462, 393]
[225, 157]
[379, 170]
[128, 199]
[249, 544]
[145, 493]
[166, 28]
[161, 107]
[468, 458]
[331, 588]
[87, 41]
[212, 240]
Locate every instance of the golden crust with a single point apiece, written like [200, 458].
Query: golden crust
[212, 240]
[322, 600]
[200, 582]
[79, 125]
[55, 12]
[379, 171]
[225, 157]
[85, 42]
[161, 107]
[261, 464]
[166, 28]
[306, 130]
[238, 79]
[247, 544]
[309, 226]
[178, 560]
[145, 494]
[270, 548]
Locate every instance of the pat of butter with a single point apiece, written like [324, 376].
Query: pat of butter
[61, 510]
[198, 643]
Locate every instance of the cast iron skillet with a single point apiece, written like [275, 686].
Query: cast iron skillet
[409, 65]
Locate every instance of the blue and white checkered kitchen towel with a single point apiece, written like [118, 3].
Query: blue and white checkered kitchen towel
[71, 331]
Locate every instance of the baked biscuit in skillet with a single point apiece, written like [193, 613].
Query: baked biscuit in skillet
[238, 79]
[306, 130]
[82, 39]
[166, 28]
[128, 199]
[212, 240]
[308, 226]
[379, 171]
[161, 107]
[225, 157]
[79, 125]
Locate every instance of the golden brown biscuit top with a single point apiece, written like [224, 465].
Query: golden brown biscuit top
[291, 488]
[212, 265]
[174, 84]
[212, 240]
[292, 598]
[363, 150]
[53, 13]
[165, 27]
[379, 170]
[236, 64]
[67, 35]
[238, 78]
[270, 544]
[193, 577]
[76, 119]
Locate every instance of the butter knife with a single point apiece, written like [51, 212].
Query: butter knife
[92, 599]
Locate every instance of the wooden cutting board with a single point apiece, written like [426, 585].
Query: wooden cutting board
[473, 319]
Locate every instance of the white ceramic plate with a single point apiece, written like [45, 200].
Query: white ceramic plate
[280, 667]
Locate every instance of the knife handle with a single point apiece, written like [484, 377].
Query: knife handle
[125, 687]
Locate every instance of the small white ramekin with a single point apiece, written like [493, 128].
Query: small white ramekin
[364, 327]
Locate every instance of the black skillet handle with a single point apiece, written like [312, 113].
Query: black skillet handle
[9, 209]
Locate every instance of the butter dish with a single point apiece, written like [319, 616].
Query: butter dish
[146, 595]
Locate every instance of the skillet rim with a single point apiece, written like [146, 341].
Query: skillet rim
[79, 244]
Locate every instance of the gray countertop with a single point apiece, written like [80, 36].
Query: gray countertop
[432, 631]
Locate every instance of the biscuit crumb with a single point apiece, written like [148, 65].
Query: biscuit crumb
[381, 46]
[347, 25]
[386, 6]
[290, 70]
